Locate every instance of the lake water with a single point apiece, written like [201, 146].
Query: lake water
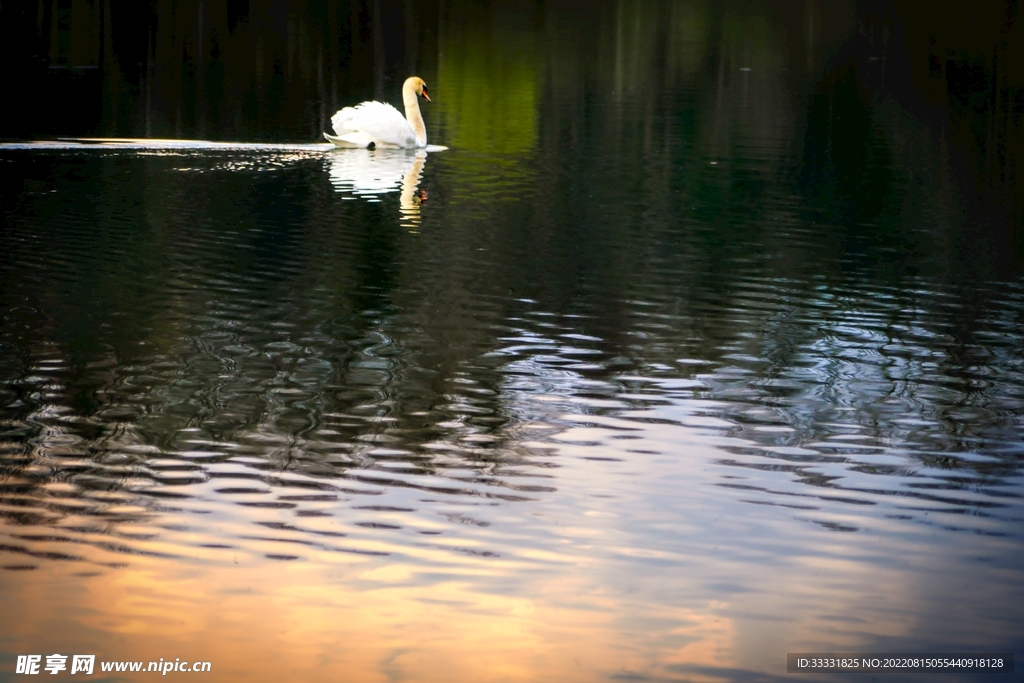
[690, 352]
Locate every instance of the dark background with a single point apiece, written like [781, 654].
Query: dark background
[277, 69]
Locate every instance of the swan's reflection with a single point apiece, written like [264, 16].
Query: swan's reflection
[371, 173]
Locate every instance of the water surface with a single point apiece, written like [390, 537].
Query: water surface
[657, 374]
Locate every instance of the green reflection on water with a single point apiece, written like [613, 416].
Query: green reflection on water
[489, 80]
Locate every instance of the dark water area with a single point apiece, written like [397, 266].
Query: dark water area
[701, 344]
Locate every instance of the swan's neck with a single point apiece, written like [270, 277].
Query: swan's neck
[412, 114]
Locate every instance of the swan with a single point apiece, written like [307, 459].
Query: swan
[376, 124]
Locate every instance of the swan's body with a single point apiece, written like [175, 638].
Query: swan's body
[377, 124]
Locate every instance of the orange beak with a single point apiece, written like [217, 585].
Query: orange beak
[424, 93]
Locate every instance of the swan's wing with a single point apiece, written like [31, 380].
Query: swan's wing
[340, 120]
[380, 121]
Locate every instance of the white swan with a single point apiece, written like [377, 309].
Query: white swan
[377, 124]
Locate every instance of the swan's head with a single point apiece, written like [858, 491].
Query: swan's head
[416, 84]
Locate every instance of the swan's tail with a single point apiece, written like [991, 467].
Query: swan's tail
[352, 140]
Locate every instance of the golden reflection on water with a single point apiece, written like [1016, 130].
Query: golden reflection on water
[276, 621]
[613, 575]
